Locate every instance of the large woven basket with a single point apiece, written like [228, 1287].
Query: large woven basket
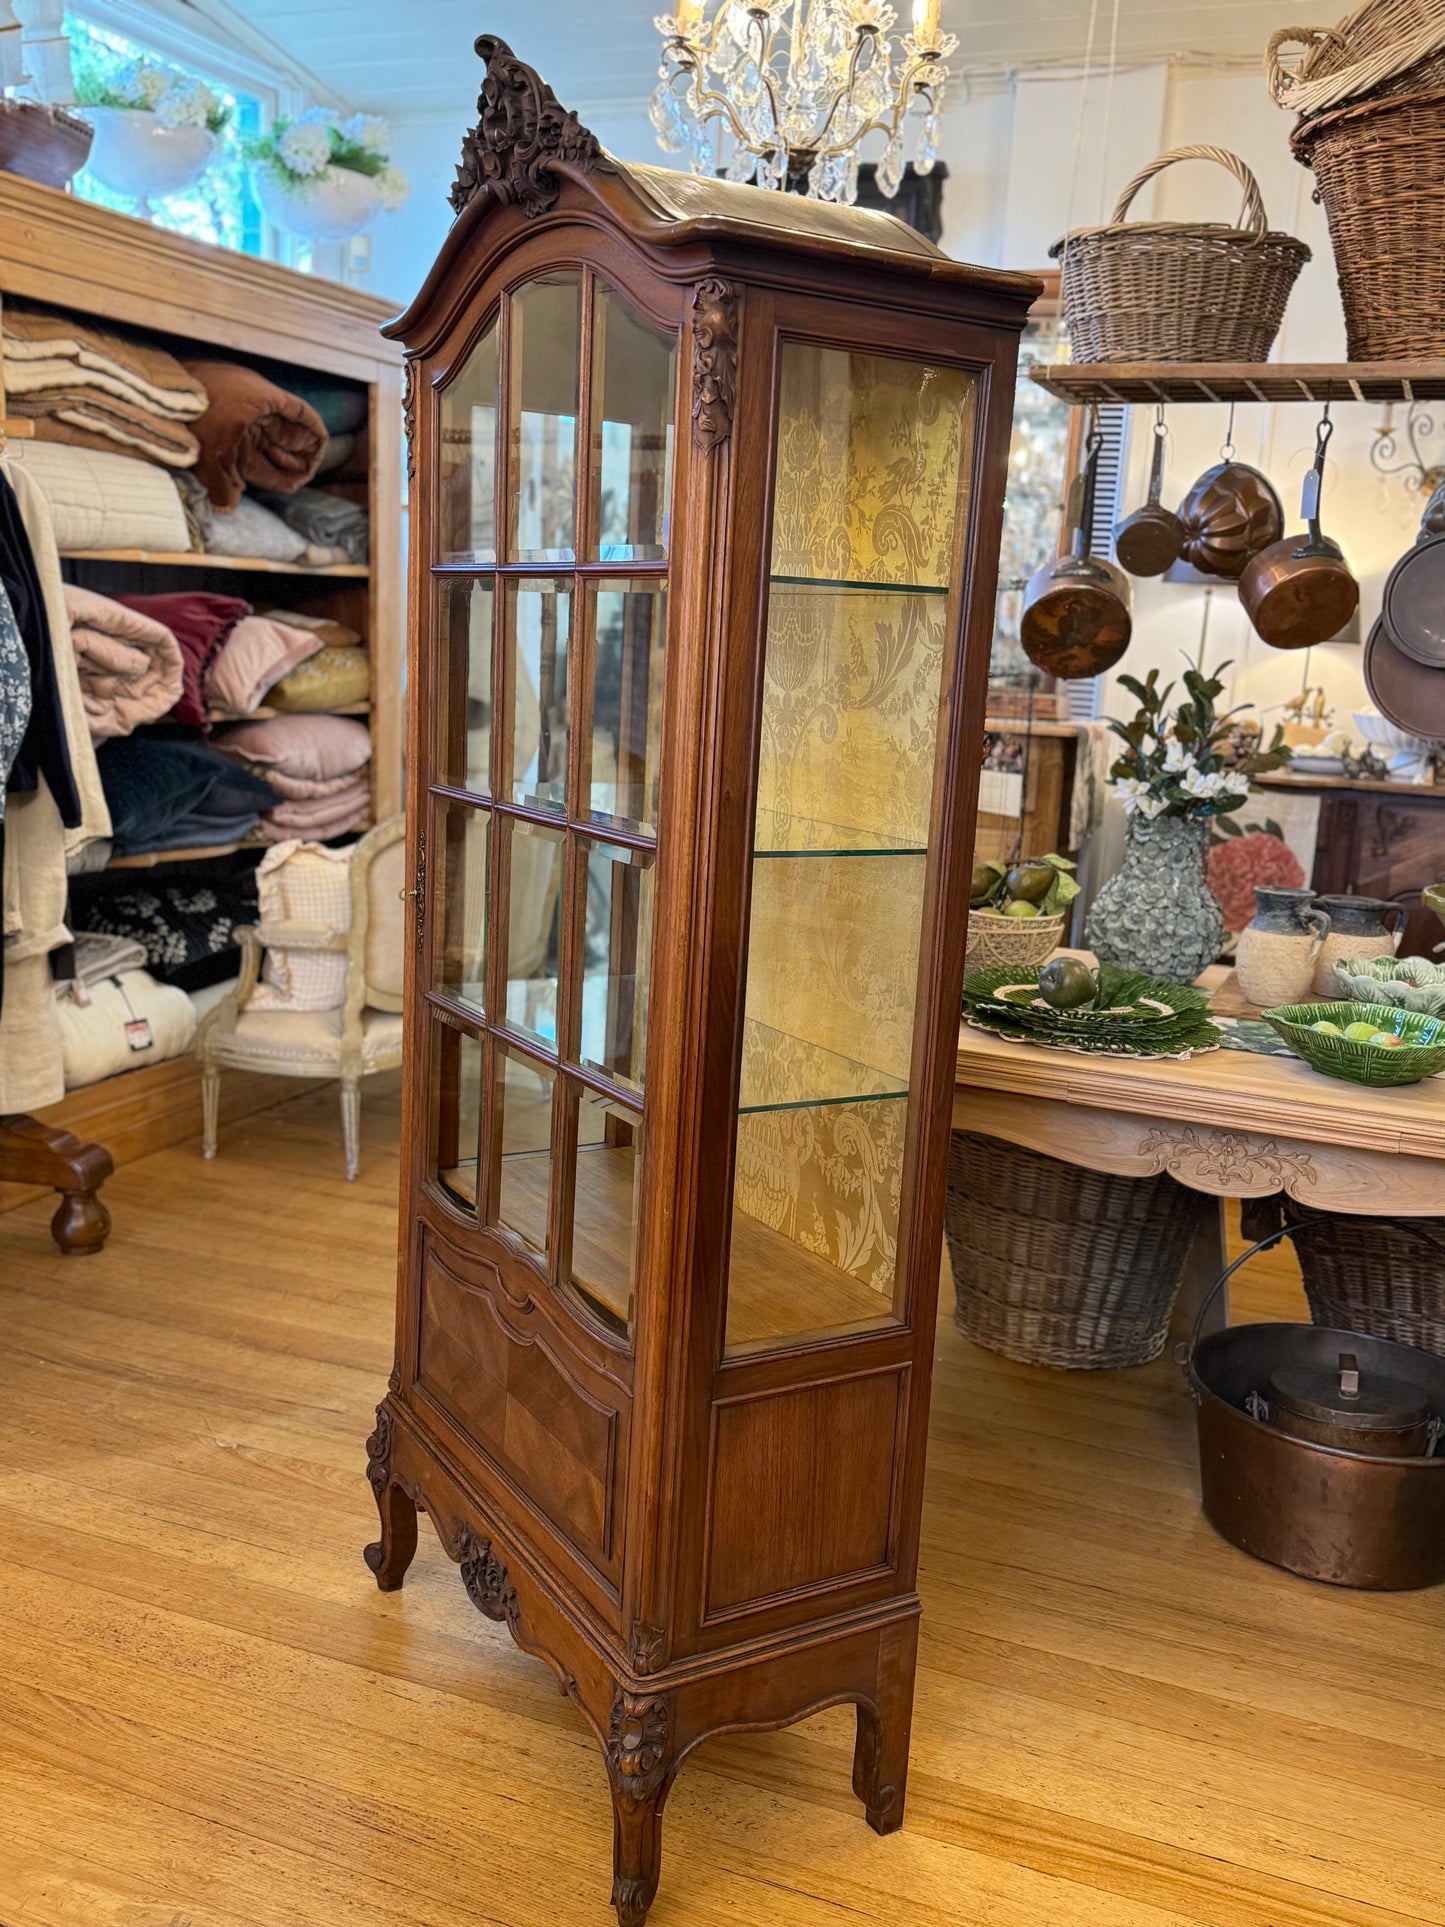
[1178, 290]
[1060, 1266]
[1384, 47]
[1380, 1279]
[1380, 169]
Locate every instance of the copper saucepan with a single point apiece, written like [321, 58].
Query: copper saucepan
[1300, 592]
[1076, 619]
[1151, 539]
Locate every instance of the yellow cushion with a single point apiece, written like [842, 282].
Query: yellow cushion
[331, 679]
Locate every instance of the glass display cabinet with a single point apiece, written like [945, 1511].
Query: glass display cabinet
[706, 495]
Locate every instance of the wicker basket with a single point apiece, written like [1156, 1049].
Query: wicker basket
[1055, 1265]
[1385, 47]
[995, 940]
[1364, 1276]
[1380, 168]
[1176, 290]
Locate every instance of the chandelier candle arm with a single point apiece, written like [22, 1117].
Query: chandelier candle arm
[797, 87]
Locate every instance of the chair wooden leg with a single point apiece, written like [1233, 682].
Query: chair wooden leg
[351, 1126]
[210, 1108]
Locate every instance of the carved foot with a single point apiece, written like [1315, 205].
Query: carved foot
[389, 1556]
[81, 1224]
[880, 1765]
[639, 1766]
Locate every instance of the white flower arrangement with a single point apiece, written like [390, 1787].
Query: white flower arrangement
[1178, 765]
[145, 86]
[298, 152]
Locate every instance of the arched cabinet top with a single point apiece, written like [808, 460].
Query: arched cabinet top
[529, 165]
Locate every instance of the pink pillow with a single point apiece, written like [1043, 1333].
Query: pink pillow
[314, 747]
[258, 652]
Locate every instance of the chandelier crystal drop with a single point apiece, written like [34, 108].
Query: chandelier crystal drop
[783, 92]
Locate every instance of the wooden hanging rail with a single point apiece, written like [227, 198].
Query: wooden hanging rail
[1079, 383]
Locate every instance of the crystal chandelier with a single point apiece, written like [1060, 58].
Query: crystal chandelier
[796, 86]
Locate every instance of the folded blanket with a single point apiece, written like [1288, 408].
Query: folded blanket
[198, 830]
[302, 789]
[201, 623]
[356, 816]
[106, 501]
[43, 349]
[311, 815]
[154, 784]
[188, 929]
[335, 635]
[130, 665]
[253, 431]
[342, 409]
[98, 956]
[99, 421]
[313, 747]
[325, 518]
[258, 653]
[248, 529]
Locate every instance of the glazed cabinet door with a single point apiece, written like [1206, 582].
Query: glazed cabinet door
[553, 441]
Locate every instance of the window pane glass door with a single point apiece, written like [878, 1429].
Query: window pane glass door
[872, 463]
[546, 775]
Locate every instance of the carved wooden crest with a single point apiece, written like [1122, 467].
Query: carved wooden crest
[485, 1578]
[378, 1452]
[714, 361]
[522, 128]
[408, 418]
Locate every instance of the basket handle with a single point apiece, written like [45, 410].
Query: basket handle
[1254, 215]
[1279, 78]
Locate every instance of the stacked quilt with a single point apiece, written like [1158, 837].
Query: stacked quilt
[93, 389]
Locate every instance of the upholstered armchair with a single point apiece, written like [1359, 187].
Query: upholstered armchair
[320, 994]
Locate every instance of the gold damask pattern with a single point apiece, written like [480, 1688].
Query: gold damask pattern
[829, 1178]
[871, 482]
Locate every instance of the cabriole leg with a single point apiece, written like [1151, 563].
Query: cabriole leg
[639, 1765]
[389, 1556]
[880, 1756]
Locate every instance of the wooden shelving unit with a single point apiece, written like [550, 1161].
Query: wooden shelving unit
[1080, 383]
[155, 558]
[200, 853]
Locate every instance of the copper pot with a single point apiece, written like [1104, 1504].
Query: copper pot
[1230, 514]
[1151, 539]
[1300, 591]
[1076, 619]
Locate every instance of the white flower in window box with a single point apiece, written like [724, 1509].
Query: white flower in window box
[324, 178]
[156, 128]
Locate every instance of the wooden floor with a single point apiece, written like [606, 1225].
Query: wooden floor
[209, 1717]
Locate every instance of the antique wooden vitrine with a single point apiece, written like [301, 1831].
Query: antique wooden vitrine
[706, 498]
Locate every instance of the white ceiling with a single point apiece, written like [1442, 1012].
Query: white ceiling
[415, 58]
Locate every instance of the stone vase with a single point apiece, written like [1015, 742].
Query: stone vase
[1158, 913]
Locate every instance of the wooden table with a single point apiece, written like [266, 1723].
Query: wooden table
[1228, 1123]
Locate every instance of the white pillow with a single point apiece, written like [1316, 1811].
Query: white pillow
[304, 891]
[102, 501]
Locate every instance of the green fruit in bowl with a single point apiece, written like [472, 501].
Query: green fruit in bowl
[1386, 1040]
[985, 883]
[1360, 1032]
[1066, 983]
[1019, 908]
[1030, 882]
[1327, 1029]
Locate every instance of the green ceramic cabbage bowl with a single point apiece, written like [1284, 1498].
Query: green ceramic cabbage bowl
[1414, 983]
[1421, 1054]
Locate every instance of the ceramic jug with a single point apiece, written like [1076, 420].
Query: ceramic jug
[1277, 952]
[1359, 927]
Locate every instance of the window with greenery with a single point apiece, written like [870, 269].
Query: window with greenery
[221, 207]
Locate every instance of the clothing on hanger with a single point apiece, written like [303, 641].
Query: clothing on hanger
[44, 749]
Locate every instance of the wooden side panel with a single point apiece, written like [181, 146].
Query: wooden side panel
[802, 1489]
[519, 1403]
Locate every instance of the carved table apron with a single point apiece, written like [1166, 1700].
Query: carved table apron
[1228, 1123]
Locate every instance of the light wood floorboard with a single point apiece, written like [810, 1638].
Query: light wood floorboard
[211, 1718]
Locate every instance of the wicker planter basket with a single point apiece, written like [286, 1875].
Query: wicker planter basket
[1384, 47]
[1055, 1265]
[1018, 942]
[1364, 1276]
[1380, 169]
[1178, 290]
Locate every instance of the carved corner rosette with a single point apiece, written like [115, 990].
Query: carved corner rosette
[714, 361]
[644, 1647]
[522, 130]
[637, 1743]
[485, 1578]
[378, 1451]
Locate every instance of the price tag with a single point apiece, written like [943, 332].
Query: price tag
[1309, 506]
[138, 1033]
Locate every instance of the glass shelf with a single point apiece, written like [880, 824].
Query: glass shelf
[779, 835]
[869, 588]
[785, 1073]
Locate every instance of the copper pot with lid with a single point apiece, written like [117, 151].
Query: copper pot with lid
[1230, 514]
[1350, 1410]
[1076, 619]
[1300, 591]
